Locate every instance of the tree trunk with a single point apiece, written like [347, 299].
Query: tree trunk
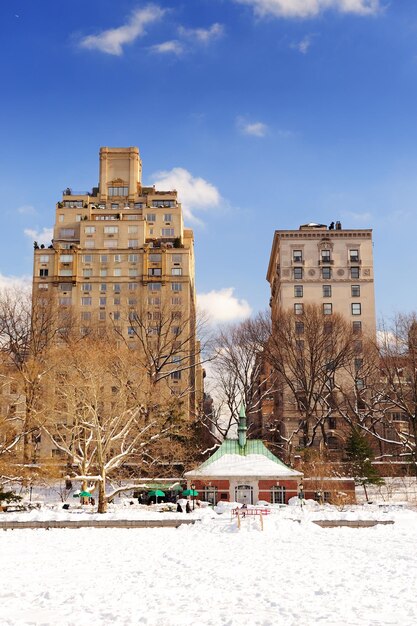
[102, 500]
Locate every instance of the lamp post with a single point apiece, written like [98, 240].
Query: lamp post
[193, 488]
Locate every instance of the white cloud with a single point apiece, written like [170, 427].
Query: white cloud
[26, 209]
[202, 35]
[311, 8]
[15, 282]
[42, 237]
[223, 305]
[255, 129]
[304, 45]
[168, 47]
[195, 194]
[112, 41]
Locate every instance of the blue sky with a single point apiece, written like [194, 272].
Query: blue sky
[265, 113]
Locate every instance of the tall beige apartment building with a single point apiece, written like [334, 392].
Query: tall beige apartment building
[122, 251]
[330, 267]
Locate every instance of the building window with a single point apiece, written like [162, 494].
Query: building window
[90, 243]
[357, 327]
[298, 273]
[298, 309]
[65, 301]
[103, 258]
[67, 232]
[116, 287]
[298, 291]
[117, 271]
[154, 271]
[65, 272]
[103, 301]
[133, 258]
[327, 291]
[154, 286]
[103, 287]
[86, 316]
[151, 217]
[86, 287]
[297, 256]
[43, 273]
[44, 258]
[43, 286]
[177, 258]
[211, 495]
[354, 256]
[102, 316]
[358, 364]
[176, 271]
[325, 256]
[118, 191]
[111, 230]
[327, 309]
[299, 328]
[103, 273]
[167, 217]
[277, 495]
[117, 258]
[87, 258]
[110, 243]
[86, 301]
[326, 273]
[155, 258]
[114, 205]
[354, 272]
[175, 375]
[176, 286]
[355, 291]
[87, 272]
[176, 300]
[154, 301]
[132, 230]
[90, 230]
[160, 204]
[133, 243]
[129, 216]
[331, 422]
[116, 301]
[138, 205]
[167, 232]
[356, 308]
[116, 315]
[65, 258]
[133, 272]
[132, 286]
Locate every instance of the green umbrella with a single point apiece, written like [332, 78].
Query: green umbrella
[84, 494]
[157, 493]
[190, 492]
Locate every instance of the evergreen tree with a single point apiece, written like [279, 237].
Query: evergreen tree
[360, 454]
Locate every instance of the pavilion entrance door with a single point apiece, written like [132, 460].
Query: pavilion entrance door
[244, 494]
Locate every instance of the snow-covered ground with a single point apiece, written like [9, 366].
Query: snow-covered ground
[293, 572]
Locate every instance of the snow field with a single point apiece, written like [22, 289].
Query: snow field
[293, 573]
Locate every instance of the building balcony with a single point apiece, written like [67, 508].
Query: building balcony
[326, 262]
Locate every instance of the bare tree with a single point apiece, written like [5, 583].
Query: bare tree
[104, 419]
[28, 329]
[382, 400]
[308, 352]
[238, 375]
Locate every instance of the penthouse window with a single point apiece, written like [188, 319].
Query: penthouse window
[163, 204]
[118, 191]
